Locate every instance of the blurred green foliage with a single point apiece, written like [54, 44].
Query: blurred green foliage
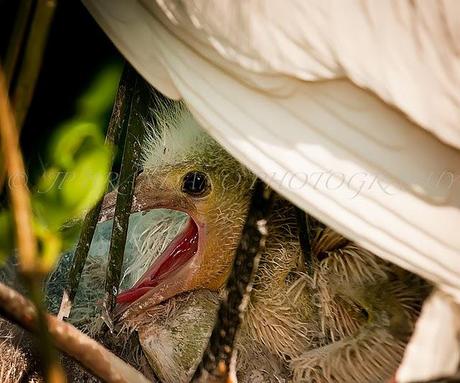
[6, 235]
[77, 175]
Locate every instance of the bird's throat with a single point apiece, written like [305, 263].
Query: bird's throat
[176, 255]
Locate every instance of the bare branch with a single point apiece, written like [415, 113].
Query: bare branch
[118, 120]
[68, 339]
[26, 243]
[218, 363]
[33, 55]
[19, 193]
[128, 173]
[17, 38]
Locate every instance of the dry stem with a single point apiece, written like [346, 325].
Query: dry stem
[19, 193]
[68, 339]
[26, 243]
[33, 57]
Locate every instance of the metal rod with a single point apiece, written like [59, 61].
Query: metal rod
[117, 125]
[128, 172]
[215, 365]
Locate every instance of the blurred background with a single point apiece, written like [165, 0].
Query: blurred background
[78, 54]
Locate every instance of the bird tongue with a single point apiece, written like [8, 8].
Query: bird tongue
[179, 251]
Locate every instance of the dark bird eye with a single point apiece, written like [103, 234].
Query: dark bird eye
[196, 184]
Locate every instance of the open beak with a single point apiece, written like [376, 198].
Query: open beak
[173, 272]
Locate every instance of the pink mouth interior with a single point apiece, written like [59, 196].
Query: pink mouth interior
[179, 251]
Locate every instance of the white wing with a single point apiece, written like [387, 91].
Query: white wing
[243, 69]
[349, 109]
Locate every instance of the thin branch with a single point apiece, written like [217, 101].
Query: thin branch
[217, 360]
[33, 57]
[19, 192]
[17, 39]
[68, 339]
[19, 197]
[304, 234]
[118, 120]
[128, 173]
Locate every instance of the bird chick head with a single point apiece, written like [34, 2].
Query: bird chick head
[184, 169]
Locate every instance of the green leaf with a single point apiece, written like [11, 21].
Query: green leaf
[50, 244]
[100, 96]
[72, 140]
[87, 181]
[77, 175]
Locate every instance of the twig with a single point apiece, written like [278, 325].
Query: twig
[19, 193]
[68, 339]
[217, 359]
[32, 60]
[17, 39]
[33, 57]
[118, 120]
[304, 234]
[128, 173]
[22, 216]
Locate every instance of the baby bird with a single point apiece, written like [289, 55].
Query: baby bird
[347, 319]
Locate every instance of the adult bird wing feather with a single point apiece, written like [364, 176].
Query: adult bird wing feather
[365, 93]
[289, 124]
